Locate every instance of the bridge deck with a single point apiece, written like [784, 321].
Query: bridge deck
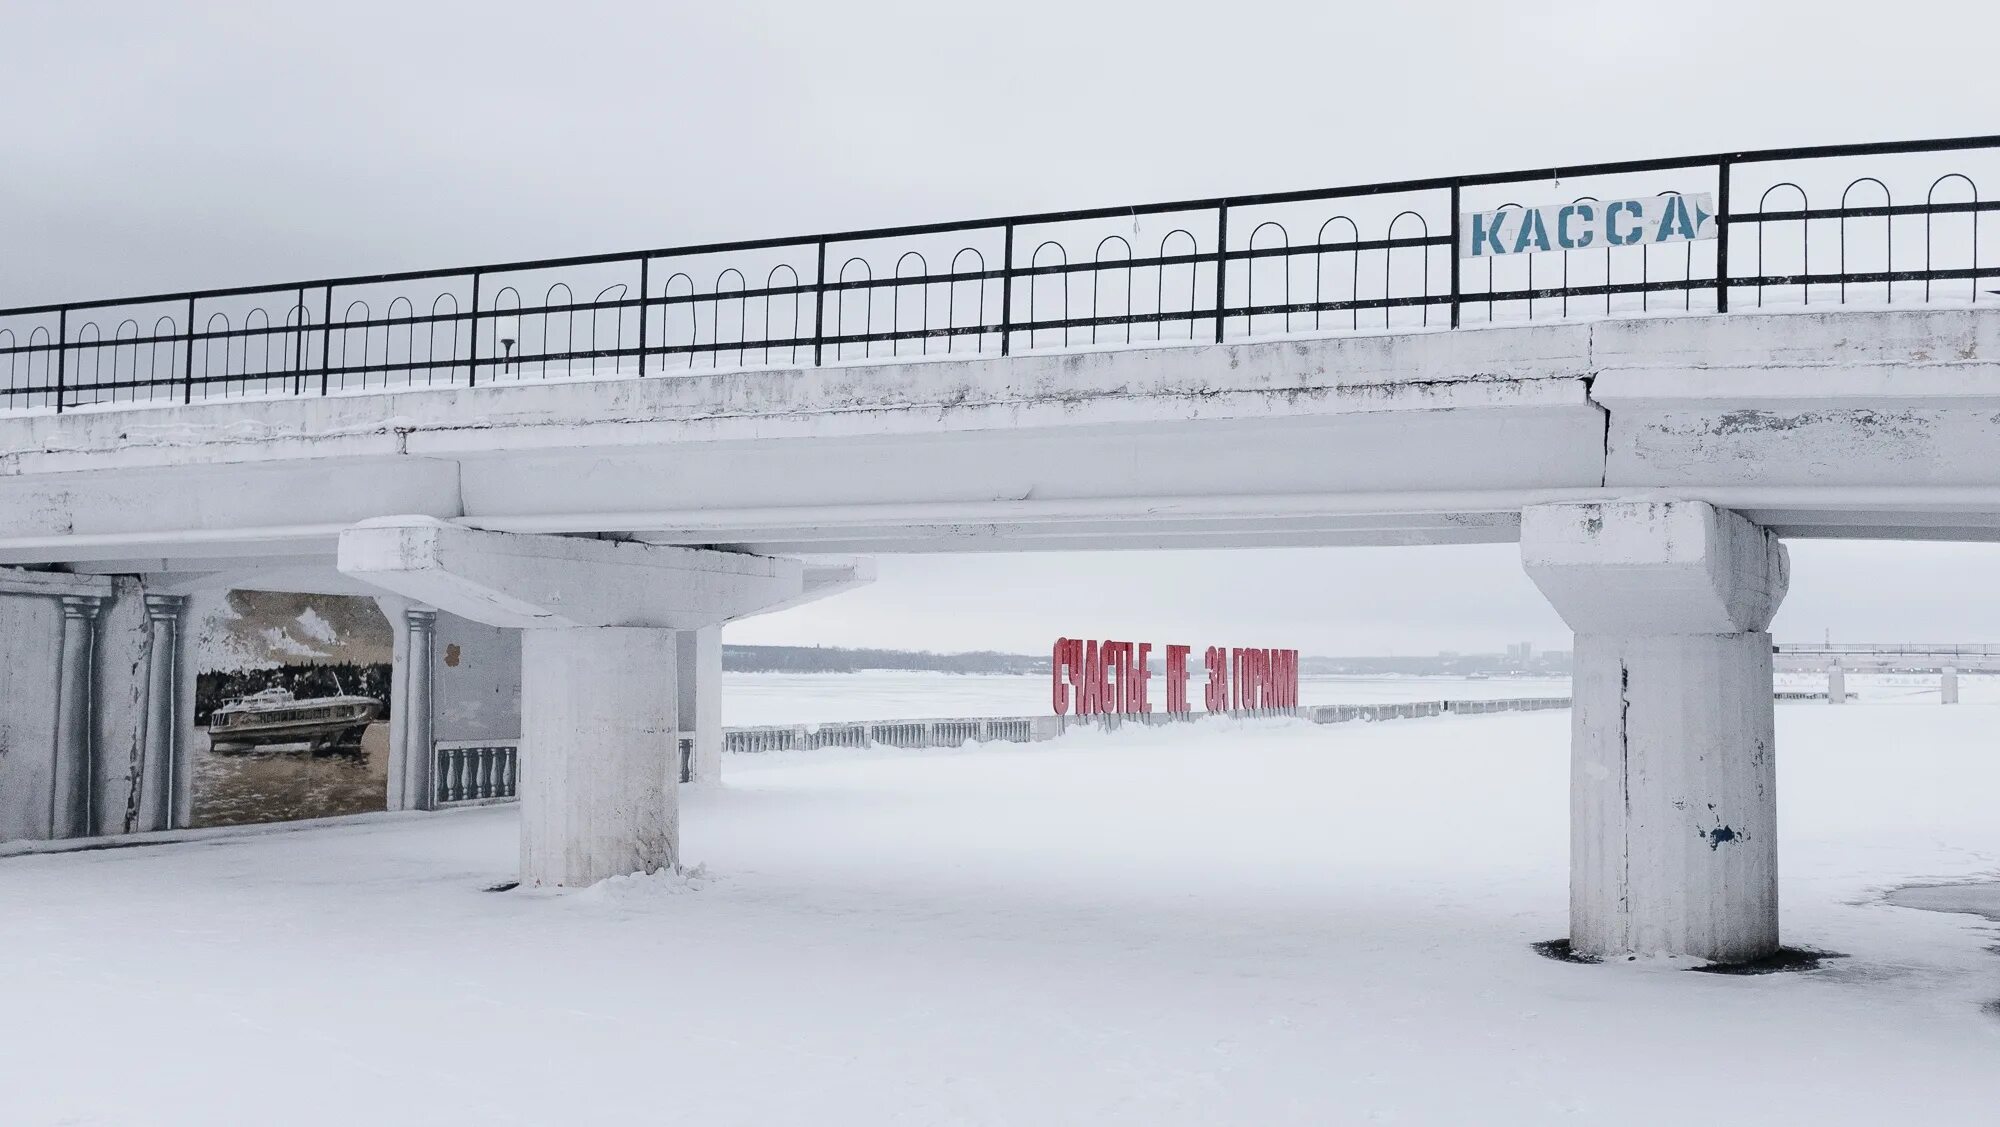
[1843, 423]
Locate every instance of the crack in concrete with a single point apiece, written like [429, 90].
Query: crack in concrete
[1625, 784]
[1590, 374]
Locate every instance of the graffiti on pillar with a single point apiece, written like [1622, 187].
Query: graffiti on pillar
[291, 708]
[1114, 678]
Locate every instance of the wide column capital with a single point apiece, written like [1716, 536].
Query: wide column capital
[1654, 567]
[532, 581]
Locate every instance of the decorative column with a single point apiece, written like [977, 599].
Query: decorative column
[164, 759]
[417, 722]
[71, 800]
[1673, 787]
[698, 667]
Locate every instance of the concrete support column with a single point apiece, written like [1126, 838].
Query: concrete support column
[1673, 846]
[418, 720]
[1836, 683]
[165, 753]
[601, 624]
[1948, 686]
[71, 801]
[698, 663]
[601, 765]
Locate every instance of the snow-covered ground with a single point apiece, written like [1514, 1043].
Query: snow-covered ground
[804, 698]
[1258, 923]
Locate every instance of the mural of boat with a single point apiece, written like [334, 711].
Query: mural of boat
[275, 716]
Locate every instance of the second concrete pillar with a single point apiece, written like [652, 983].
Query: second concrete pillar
[1673, 804]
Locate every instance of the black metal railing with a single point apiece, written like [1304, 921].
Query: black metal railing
[1903, 225]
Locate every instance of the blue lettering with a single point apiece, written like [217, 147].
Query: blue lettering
[1533, 233]
[1484, 236]
[1676, 221]
[1634, 233]
[1581, 211]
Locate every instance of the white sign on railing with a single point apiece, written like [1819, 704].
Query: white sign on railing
[1587, 225]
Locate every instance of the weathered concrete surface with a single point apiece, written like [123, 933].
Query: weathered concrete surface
[29, 688]
[698, 667]
[81, 752]
[1850, 423]
[1156, 447]
[1899, 409]
[602, 624]
[552, 582]
[1673, 802]
[478, 672]
[600, 766]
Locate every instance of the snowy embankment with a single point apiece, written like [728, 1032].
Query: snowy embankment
[1237, 922]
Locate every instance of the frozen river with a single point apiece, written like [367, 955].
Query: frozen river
[1227, 923]
[804, 698]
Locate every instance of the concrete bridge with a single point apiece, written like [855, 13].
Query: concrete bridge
[608, 525]
[1946, 659]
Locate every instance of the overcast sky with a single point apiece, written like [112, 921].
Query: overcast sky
[154, 146]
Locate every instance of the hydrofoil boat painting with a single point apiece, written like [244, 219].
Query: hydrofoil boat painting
[274, 719]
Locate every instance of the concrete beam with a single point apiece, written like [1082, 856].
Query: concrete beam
[546, 582]
[53, 584]
[1855, 423]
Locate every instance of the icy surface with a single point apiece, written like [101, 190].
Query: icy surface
[1263, 923]
[805, 698]
[808, 698]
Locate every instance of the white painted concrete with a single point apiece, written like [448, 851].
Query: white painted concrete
[600, 765]
[70, 805]
[478, 673]
[698, 670]
[117, 703]
[1673, 832]
[29, 690]
[1852, 423]
[417, 716]
[601, 702]
[473, 690]
[550, 582]
[53, 584]
[165, 754]
[399, 795]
